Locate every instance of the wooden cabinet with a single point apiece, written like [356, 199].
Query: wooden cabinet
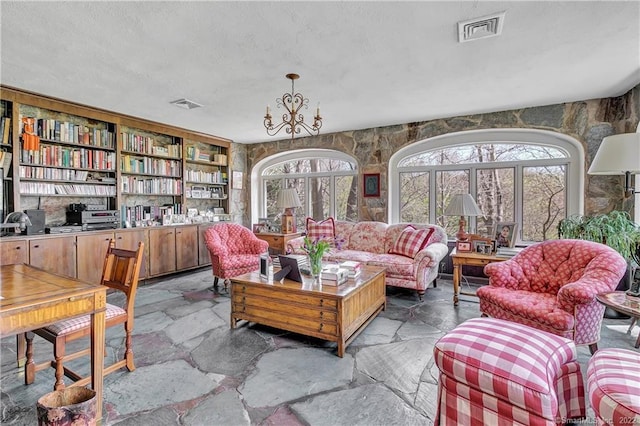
[92, 249]
[14, 251]
[129, 240]
[54, 254]
[186, 247]
[203, 252]
[277, 242]
[162, 250]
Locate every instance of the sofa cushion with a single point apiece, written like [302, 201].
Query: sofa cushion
[411, 241]
[324, 230]
[394, 265]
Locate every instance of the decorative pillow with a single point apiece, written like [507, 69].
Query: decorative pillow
[325, 230]
[411, 241]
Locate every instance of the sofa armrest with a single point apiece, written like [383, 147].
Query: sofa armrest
[431, 255]
[294, 246]
[507, 274]
[258, 246]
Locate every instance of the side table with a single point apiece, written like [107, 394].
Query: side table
[277, 242]
[468, 259]
[621, 302]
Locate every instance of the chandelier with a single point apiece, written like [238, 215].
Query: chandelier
[292, 119]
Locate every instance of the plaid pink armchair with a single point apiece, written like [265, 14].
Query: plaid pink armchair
[552, 286]
[234, 250]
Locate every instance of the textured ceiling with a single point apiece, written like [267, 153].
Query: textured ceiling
[368, 64]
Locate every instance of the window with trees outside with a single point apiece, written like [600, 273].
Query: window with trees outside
[511, 181]
[326, 182]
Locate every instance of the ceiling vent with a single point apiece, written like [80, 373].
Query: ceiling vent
[475, 29]
[186, 104]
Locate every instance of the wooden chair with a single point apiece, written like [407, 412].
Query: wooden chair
[120, 272]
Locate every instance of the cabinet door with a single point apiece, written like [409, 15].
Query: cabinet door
[186, 247]
[56, 255]
[12, 252]
[203, 251]
[162, 251]
[92, 248]
[129, 240]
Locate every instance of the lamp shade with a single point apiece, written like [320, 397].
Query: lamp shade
[617, 155]
[463, 205]
[288, 198]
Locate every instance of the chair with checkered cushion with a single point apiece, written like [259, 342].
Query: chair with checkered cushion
[552, 286]
[120, 272]
[613, 382]
[497, 372]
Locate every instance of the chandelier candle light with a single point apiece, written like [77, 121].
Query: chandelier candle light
[293, 120]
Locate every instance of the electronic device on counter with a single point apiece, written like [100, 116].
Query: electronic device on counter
[64, 229]
[37, 218]
[93, 220]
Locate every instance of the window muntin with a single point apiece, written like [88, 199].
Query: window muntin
[510, 181]
[326, 184]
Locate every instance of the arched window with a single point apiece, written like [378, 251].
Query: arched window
[530, 177]
[326, 182]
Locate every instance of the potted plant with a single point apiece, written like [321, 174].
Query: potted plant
[615, 229]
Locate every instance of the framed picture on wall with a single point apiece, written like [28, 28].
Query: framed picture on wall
[371, 185]
[236, 180]
[505, 234]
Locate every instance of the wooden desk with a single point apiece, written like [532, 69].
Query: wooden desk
[623, 303]
[277, 242]
[468, 259]
[33, 298]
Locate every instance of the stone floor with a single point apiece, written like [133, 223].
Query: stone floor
[193, 370]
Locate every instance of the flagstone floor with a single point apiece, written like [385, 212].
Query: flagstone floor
[192, 369]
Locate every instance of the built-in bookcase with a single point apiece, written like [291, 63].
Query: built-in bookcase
[64, 153]
[6, 158]
[207, 178]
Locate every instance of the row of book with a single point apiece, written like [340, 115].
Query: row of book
[148, 165]
[40, 188]
[5, 127]
[138, 213]
[64, 131]
[151, 186]
[194, 153]
[5, 162]
[62, 156]
[147, 145]
[29, 172]
[202, 176]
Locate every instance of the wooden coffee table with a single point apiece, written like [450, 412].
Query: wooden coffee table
[621, 302]
[336, 314]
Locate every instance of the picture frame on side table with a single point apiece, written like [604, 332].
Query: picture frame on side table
[483, 245]
[371, 185]
[464, 246]
[505, 234]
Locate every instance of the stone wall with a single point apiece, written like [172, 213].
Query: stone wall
[586, 121]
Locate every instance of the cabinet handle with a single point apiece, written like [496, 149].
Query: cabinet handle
[119, 238]
[36, 246]
[107, 239]
[18, 248]
[72, 299]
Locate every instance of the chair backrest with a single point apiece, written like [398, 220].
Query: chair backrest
[549, 265]
[228, 238]
[121, 271]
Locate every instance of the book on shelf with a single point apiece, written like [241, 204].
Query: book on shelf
[5, 125]
[5, 162]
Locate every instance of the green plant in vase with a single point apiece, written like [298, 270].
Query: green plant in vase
[315, 249]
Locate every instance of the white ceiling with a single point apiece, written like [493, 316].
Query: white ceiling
[368, 64]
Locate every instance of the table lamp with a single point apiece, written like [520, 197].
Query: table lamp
[618, 155]
[462, 205]
[288, 200]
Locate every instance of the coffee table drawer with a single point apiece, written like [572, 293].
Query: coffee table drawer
[304, 321]
[308, 299]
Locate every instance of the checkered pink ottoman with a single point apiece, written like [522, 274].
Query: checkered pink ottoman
[497, 372]
[613, 380]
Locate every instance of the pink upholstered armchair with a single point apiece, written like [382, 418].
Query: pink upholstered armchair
[552, 286]
[234, 250]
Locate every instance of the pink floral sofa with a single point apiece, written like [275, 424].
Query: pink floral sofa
[373, 243]
[552, 286]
